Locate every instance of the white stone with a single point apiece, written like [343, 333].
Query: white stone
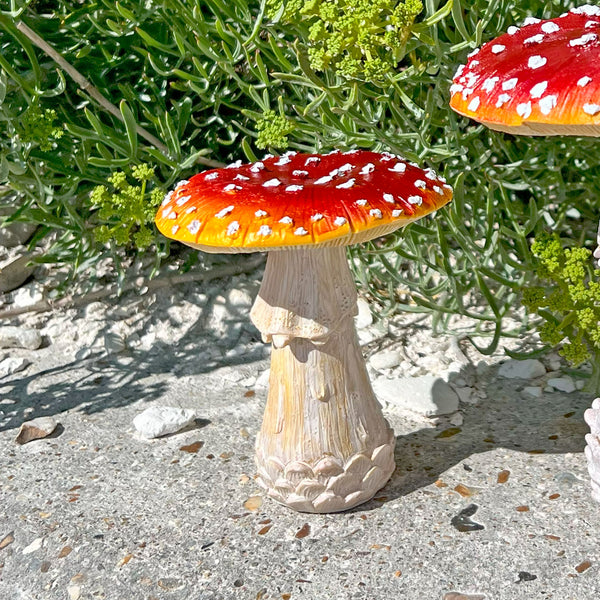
[427, 395]
[162, 420]
[465, 395]
[529, 368]
[534, 391]
[562, 384]
[385, 360]
[262, 381]
[28, 295]
[364, 318]
[34, 546]
[20, 337]
[13, 364]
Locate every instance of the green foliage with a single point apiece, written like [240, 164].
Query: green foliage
[359, 39]
[127, 212]
[273, 130]
[569, 302]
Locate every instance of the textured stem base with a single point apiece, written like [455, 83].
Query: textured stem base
[324, 445]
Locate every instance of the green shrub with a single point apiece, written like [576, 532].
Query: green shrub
[226, 78]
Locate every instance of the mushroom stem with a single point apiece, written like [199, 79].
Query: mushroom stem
[324, 445]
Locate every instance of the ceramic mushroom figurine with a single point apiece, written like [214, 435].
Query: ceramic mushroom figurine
[540, 79]
[324, 445]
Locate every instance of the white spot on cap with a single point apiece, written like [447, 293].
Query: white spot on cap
[256, 167]
[586, 9]
[182, 182]
[267, 156]
[586, 38]
[550, 27]
[264, 230]
[389, 198]
[459, 71]
[368, 168]
[438, 190]
[474, 104]
[531, 21]
[455, 88]
[430, 174]
[312, 159]
[166, 212]
[294, 188]
[353, 151]
[361, 202]
[167, 198]
[283, 160]
[194, 226]
[538, 38]
[489, 84]
[210, 176]
[473, 53]
[397, 212]
[260, 213]
[497, 48]
[375, 212]
[181, 201]
[510, 84]
[241, 177]
[286, 220]
[272, 182]
[224, 212]
[339, 221]
[334, 172]
[191, 209]
[346, 185]
[547, 103]
[584, 81]
[537, 91]
[316, 217]
[472, 79]
[535, 62]
[345, 168]
[415, 200]
[591, 109]
[290, 153]
[300, 173]
[502, 99]
[234, 165]
[233, 228]
[524, 109]
[322, 180]
[419, 183]
[174, 229]
[231, 187]
[512, 30]
[300, 231]
[591, 24]
[399, 167]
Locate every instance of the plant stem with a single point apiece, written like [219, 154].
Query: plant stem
[593, 384]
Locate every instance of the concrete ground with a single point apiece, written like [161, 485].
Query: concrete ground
[497, 508]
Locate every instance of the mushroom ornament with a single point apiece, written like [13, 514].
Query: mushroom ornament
[540, 79]
[324, 445]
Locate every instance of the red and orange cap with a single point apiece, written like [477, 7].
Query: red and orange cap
[300, 200]
[540, 79]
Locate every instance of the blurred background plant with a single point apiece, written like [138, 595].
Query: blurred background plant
[218, 80]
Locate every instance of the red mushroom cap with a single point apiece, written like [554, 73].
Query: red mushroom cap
[541, 79]
[298, 200]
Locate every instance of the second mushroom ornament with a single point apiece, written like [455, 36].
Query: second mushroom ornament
[324, 445]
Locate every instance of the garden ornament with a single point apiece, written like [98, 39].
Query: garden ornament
[324, 445]
[540, 79]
